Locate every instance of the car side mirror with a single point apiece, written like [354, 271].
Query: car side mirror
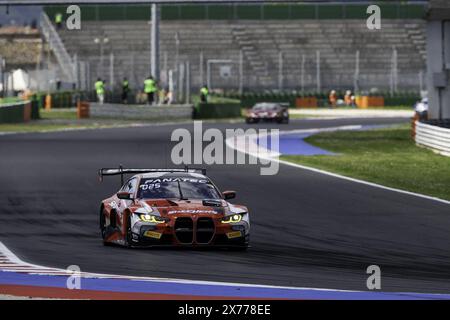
[124, 195]
[229, 195]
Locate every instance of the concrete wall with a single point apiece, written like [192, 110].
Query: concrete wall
[141, 112]
[438, 60]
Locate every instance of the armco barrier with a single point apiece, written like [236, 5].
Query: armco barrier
[217, 110]
[140, 112]
[16, 112]
[434, 135]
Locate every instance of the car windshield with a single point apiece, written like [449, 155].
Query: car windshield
[265, 107]
[178, 188]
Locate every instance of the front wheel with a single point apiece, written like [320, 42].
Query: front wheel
[102, 222]
[128, 236]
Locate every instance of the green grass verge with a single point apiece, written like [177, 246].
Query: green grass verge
[63, 114]
[56, 120]
[384, 156]
[37, 127]
[9, 100]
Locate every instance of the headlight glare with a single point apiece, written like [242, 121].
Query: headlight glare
[151, 218]
[234, 218]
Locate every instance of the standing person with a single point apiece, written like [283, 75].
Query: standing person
[125, 90]
[332, 98]
[100, 90]
[421, 109]
[348, 98]
[204, 92]
[150, 89]
[58, 20]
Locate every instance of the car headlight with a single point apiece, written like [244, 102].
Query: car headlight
[234, 218]
[151, 218]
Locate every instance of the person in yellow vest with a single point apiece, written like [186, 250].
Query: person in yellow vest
[100, 90]
[150, 89]
[204, 92]
[58, 20]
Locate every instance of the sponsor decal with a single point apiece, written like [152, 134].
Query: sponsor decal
[234, 234]
[152, 234]
[162, 180]
[192, 211]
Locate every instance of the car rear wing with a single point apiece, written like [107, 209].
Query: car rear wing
[284, 104]
[122, 171]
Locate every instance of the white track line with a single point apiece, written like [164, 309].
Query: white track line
[259, 152]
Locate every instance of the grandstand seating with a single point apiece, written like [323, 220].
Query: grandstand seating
[260, 41]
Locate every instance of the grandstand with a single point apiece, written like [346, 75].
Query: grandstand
[264, 35]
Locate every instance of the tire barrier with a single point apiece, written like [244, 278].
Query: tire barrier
[313, 99]
[434, 134]
[364, 102]
[306, 102]
[19, 112]
[82, 110]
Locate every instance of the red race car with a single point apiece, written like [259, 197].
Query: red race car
[268, 111]
[172, 207]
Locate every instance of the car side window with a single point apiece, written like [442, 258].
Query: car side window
[129, 186]
[132, 185]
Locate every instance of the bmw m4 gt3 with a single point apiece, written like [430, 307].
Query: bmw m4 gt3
[172, 207]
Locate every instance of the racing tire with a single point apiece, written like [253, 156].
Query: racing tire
[102, 224]
[128, 236]
[103, 228]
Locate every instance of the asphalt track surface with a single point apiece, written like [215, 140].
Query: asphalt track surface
[308, 229]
